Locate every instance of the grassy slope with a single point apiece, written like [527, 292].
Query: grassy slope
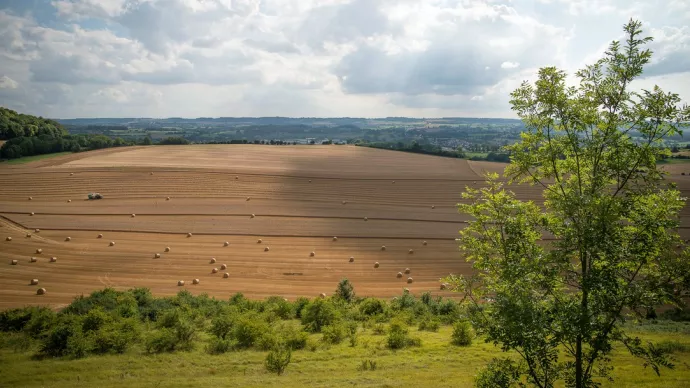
[436, 364]
[33, 158]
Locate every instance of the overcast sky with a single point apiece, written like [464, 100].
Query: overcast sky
[364, 58]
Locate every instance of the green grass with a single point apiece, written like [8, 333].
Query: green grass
[27, 159]
[435, 364]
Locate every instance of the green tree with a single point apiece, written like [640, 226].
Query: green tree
[345, 291]
[610, 217]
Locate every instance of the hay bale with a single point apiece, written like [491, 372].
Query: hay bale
[309, 180]
[406, 290]
[407, 270]
[352, 259]
[28, 235]
[393, 181]
[100, 235]
[376, 265]
[400, 274]
[68, 238]
[248, 198]
[411, 251]
[157, 256]
[112, 243]
[71, 174]
[366, 219]
[189, 235]
[37, 230]
[443, 286]
[409, 280]
[167, 249]
[424, 243]
[215, 270]
[8, 238]
[383, 247]
[344, 202]
[33, 260]
[180, 283]
[31, 198]
[322, 295]
[266, 249]
[34, 282]
[433, 207]
[41, 291]
[69, 201]
[226, 275]
[259, 241]
[39, 251]
[195, 281]
[335, 239]
[223, 266]
[31, 214]
[53, 259]
[312, 254]
[167, 198]
[225, 244]
[151, 173]
[213, 260]
[133, 215]
[253, 215]
[236, 177]
[14, 262]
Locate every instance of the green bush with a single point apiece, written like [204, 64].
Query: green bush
[94, 320]
[429, 324]
[499, 373]
[219, 346]
[291, 335]
[277, 360]
[116, 337]
[318, 314]
[222, 324]
[345, 291]
[398, 336]
[162, 340]
[334, 333]
[16, 319]
[372, 306]
[249, 328]
[19, 342]
[367, 365]
[41, 322]
[462, 334]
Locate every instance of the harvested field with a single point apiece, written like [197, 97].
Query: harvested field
[208, 186]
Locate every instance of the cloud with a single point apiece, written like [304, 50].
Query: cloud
[509, 65]
[8, 83]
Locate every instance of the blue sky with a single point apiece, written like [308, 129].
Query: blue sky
[372, 58]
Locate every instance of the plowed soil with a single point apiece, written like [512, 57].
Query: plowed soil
[301, 197]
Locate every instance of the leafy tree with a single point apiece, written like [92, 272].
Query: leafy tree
[345, 291]
[609, 214]
[318, 314]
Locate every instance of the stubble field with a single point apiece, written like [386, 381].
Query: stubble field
[301, 197]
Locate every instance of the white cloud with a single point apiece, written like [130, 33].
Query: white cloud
[8, 83]
[509, 65]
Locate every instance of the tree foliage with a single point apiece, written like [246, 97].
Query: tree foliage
[609, 215]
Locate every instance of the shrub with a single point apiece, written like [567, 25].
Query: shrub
[279, 307]
[462, 334]
[277, 360]
[367, 365]
[57, 339]
[222, 324]
[162, 340]
[291, 335]
[248, 329]
[299, 305]
[94, 319]
[219, 346]
[499, 373]
[334, 333]
[17, 341]
[345, 291]
[398, 336]
[318, 314]
[379, 329]
[16, 319]
[115, 337]
[41, 322]
[372, 306]
[429, 324]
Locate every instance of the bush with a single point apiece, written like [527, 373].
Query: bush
[292, 336]
[318, 314]
[671, 346]
[398, 337]
[16, 319]
[116, 337]
[41, 322]
[163, 340]
[345, 291]
[94, 320]
[334, 333]
[367, 365]
[277, 360]
[499, 373]
[299, 304]
[248, 329]
[379, 329]
[429, 324]
[57, 339]
[372, 306]
[462, 334]
[222, 324]
[279, 307]
[220, 346]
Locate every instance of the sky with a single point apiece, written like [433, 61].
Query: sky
[313, 58]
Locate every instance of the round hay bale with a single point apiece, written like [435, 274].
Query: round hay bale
[409, 280]
[195, 281]
[37, 230]
[215, 270]
[253, 215]
[31, 214]
[28, 235]
[352, 259]
[309, 180]
[100, 235]
[411, 251]
[167, 249]
[133, 215]
[366, 219]
[344, 202]
[31, 198]
[53, 259]
[226, 275]
[407, 270]
[14, 262]
[322, 295]
[393, 181]
[259, 241]
[39, 251]
[383, 247]
[266, 249]
[71, 174]
[157, 256]
[433, 207]
[236, 177]
[335, 239]
[189, 235]
[376, 265]
[400, 274]
[248, 198]
[223, 266]
[151, 173]
[225, 244]
[41, 291]
[312, 254]
[443, 286]
[167, 198]
[112, 243]
[406, 290]
[68, 238]
[213, 260]
[69, 201]
[424, 243]
[34, 282]
[33, 260]
[180, 283]
[8, 238]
